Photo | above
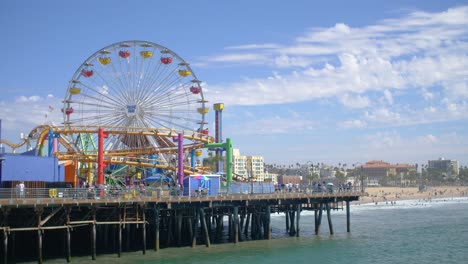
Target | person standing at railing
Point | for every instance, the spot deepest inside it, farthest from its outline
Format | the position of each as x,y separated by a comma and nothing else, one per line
21,189
17,190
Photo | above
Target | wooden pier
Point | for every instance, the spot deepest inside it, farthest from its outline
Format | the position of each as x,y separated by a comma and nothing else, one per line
44,228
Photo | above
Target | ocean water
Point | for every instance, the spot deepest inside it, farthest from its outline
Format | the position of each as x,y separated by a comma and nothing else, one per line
410,232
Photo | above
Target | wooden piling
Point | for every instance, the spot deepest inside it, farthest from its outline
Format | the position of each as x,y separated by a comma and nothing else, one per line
230,226
246,228
5,246
119,251
93,236
143,229
292,228
205,228
179,227
298,215
286,212
319,219
348,218
189,223
330,225
242,220
156,228
253,224
235,212
268,222
195,228
39,237
68,235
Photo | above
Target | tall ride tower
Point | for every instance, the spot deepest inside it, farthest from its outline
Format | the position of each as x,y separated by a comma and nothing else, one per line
219,133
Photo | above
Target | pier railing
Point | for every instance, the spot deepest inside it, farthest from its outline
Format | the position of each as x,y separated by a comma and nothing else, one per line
156,193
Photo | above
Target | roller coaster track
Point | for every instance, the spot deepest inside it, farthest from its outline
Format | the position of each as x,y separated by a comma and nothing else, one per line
13,146
197,141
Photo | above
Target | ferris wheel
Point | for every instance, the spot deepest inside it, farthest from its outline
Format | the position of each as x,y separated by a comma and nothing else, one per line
135,84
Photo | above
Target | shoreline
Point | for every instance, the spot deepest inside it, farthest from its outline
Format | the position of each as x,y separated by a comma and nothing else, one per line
393,194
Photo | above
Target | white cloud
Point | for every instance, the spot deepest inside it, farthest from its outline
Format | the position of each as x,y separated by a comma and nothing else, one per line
388,96
274,125
243,58
28,112
25,99
416,51
384,140
352,124
430,109
416,148
354,101
383,115
429,138
254,46
426,94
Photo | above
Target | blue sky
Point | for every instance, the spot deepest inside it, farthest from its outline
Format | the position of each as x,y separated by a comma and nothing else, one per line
320,81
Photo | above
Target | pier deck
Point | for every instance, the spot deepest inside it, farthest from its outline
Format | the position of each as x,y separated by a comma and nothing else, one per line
139,221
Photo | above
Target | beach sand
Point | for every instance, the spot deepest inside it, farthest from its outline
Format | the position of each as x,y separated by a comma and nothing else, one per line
389,194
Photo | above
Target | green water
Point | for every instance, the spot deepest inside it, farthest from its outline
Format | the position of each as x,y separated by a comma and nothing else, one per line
410,232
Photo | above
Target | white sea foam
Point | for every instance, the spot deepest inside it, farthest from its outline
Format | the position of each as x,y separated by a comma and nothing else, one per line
410,204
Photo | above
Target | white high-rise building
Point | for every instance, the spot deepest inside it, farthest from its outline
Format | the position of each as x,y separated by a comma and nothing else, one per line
239,163
248,167
255,167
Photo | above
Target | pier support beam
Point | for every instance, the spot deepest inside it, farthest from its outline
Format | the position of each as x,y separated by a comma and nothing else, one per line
348,218
39,246
68,235
119,251
205,228
143,229
195,228
68,245
318,220
292,228
5,246
179,227
330,225
268,222
298,215
156,228
39,236
235,212
93,236
246,228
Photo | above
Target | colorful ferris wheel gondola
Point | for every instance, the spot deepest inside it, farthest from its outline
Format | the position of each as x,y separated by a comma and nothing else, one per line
87,70
166,57
195,88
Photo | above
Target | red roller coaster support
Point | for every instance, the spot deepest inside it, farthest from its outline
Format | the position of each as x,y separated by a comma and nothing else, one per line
101,164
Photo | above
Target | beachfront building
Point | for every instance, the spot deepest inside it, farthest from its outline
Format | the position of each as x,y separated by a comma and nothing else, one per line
377,172
239,163
271,177
248,167
255,167
447,167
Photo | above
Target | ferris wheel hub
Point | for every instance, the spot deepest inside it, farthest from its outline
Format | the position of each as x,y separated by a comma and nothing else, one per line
132,110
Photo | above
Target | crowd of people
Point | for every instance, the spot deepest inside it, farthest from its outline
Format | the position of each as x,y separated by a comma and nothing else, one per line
315,187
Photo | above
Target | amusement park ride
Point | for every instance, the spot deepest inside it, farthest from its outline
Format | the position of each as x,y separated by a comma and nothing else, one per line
132,108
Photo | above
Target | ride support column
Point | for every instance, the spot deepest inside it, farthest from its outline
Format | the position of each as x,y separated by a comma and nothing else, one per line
180,159
101,164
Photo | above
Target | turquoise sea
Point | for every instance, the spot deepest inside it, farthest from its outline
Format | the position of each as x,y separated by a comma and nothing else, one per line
410,232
